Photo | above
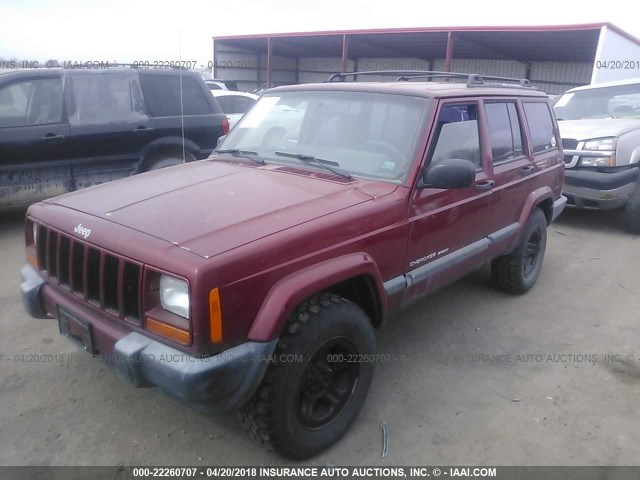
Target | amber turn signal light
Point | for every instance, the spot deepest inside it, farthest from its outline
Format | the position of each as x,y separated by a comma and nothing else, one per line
215,316
32,257
168,331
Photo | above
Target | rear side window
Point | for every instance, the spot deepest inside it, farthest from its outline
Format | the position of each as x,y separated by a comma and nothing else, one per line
164,96
457,134
100,98
540,126
31,102
504,131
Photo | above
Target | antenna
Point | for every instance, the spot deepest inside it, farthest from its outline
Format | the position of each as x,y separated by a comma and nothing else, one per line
181,103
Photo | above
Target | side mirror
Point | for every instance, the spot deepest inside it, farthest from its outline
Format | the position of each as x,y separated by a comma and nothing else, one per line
448,174
220,140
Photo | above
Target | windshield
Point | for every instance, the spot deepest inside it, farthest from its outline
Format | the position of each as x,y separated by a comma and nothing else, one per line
622,101
370,135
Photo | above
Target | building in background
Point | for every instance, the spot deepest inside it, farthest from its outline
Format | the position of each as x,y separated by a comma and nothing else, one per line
553,58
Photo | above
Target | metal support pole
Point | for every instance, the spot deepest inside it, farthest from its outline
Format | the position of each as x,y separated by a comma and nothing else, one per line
213,63
344,53
449,54
269,62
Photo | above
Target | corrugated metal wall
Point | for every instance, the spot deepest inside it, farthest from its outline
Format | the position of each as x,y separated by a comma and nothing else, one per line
318,69
284,70
231,63
556,77
500,68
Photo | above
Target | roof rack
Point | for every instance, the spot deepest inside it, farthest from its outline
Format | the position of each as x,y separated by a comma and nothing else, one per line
473,79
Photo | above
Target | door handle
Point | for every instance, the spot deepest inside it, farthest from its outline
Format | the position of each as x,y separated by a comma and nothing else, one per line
142,128
52,136
528,170
484,186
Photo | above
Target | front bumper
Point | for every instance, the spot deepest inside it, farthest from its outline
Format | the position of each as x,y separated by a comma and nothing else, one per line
599,190
220,382
30,288
558,207
224,381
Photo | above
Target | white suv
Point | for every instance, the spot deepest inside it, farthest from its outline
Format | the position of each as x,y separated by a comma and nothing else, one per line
600,129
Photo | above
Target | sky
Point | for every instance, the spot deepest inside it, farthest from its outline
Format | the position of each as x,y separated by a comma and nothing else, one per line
161,30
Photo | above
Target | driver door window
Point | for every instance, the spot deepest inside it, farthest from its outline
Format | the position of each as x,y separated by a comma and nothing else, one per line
457,134
31,102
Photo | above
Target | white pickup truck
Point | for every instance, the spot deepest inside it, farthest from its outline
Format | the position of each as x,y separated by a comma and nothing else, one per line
600,129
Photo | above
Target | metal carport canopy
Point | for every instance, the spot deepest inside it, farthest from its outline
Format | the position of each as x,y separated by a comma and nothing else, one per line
558,43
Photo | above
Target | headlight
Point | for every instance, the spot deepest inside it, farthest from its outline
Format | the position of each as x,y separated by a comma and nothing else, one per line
598,161
606,144
606,156
174,295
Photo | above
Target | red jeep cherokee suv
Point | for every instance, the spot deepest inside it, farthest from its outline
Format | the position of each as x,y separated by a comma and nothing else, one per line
254,280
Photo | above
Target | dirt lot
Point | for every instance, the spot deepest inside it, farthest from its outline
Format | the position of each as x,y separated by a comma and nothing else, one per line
475,376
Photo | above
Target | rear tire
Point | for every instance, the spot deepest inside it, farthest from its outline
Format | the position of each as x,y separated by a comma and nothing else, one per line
632,211
318,380
517,272
168,159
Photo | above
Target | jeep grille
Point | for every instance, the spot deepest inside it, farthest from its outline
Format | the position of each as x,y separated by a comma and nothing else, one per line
105,280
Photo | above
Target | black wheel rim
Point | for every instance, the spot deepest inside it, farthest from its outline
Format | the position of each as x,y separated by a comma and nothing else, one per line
328,381
532,252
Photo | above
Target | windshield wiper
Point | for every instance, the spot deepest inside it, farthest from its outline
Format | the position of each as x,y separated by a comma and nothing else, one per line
319,162
248,154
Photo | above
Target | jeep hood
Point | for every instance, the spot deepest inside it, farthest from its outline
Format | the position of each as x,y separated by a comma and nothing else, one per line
210,207
597,128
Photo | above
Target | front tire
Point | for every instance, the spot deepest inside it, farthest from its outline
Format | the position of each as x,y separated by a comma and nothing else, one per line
632,211
318,380
517,272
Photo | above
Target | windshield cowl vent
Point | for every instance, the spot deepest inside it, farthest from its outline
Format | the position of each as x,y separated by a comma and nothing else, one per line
306,173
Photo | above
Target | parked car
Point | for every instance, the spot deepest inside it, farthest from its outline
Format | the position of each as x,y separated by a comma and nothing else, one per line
234,104
217,84
262,273
63,130
600,128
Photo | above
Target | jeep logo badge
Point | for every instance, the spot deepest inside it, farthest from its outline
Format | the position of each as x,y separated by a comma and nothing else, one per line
82,231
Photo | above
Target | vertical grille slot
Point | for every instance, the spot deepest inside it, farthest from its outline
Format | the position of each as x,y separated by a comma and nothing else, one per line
93,275
63,266
110,282
77,267
52,257
131,291
42,247
105,280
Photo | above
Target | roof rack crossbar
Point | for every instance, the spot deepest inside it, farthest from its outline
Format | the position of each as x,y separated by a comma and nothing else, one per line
476,80
473,79
404,74
340,76
431,74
